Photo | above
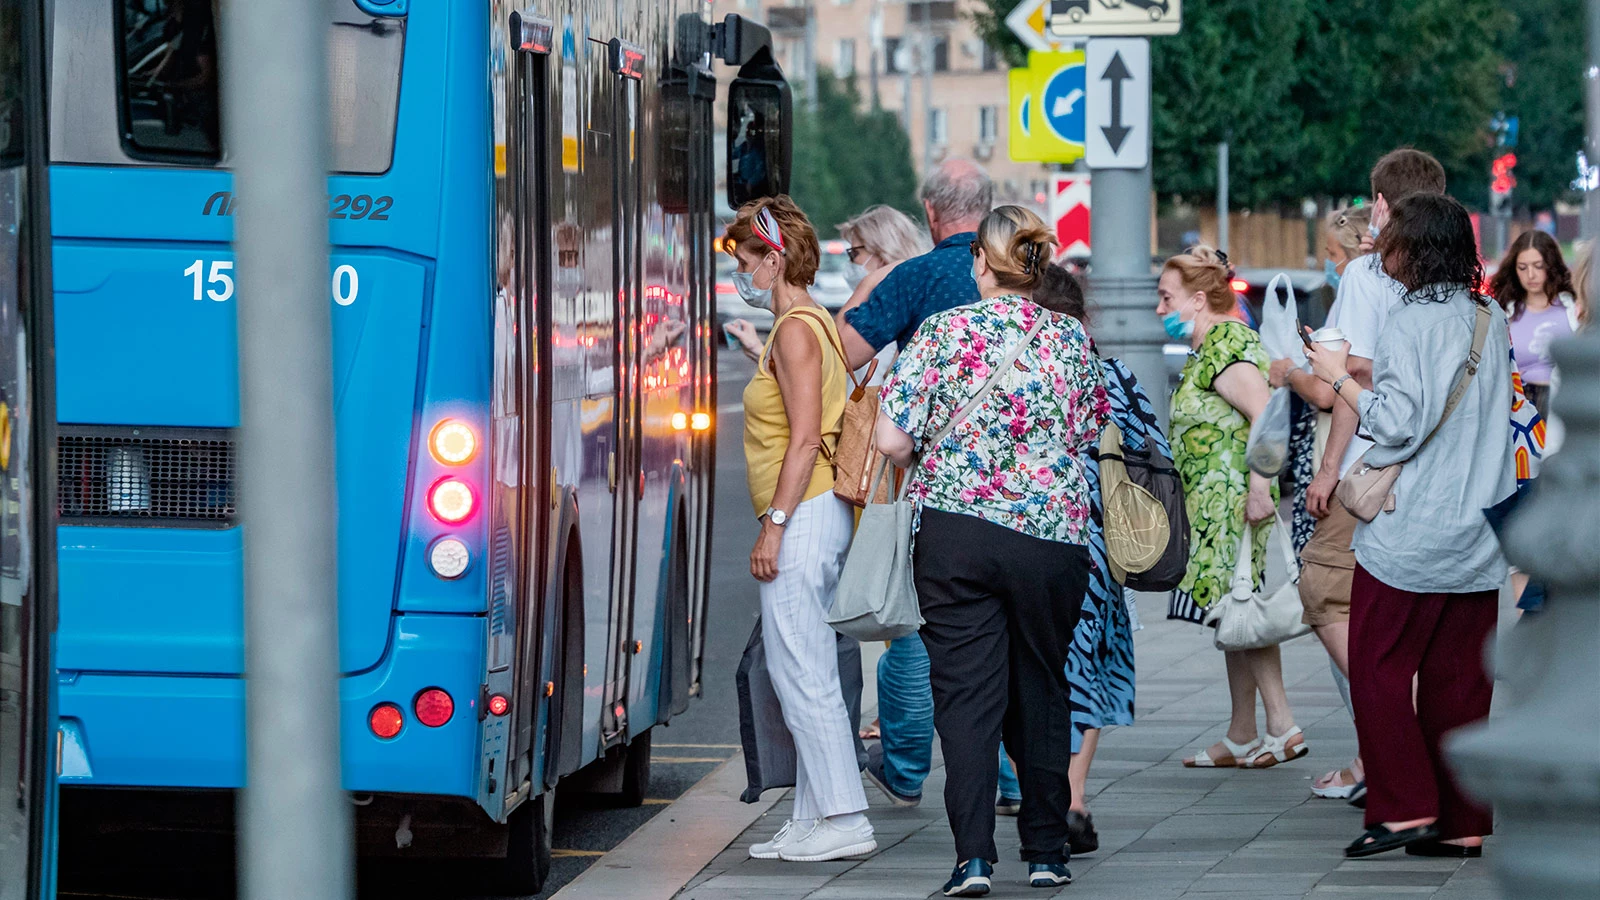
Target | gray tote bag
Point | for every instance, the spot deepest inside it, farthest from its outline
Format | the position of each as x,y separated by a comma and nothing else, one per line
876,599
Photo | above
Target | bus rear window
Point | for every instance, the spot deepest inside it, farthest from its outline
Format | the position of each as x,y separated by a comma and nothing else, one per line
169,109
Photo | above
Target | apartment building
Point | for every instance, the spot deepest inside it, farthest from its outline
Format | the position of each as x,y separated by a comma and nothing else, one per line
920,59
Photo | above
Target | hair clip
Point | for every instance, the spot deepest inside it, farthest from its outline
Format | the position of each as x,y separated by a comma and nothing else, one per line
1222,257
766,228
1033,256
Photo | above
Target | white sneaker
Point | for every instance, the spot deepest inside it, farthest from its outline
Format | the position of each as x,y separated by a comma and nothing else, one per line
827,841
789,833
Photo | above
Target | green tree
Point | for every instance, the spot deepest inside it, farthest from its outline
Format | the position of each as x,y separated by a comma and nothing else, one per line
1545,91
847,158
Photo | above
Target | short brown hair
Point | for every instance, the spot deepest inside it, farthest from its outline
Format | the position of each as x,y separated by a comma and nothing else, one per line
1204,270
1406,172
1016,245
801,252
1060,292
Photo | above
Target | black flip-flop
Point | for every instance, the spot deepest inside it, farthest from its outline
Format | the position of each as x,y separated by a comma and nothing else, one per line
1441,849
1379,839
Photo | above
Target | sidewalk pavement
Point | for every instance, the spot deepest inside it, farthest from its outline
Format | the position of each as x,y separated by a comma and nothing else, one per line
1165,832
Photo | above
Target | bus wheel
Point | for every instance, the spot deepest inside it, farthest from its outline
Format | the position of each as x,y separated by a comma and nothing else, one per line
527,862
636,771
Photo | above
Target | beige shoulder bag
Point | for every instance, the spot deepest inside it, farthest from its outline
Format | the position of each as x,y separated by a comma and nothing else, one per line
1367,489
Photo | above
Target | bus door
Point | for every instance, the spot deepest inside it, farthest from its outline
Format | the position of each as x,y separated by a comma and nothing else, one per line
29,745
625,63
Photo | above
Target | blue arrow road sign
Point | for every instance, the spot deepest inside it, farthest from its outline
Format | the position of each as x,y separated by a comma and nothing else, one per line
1063,103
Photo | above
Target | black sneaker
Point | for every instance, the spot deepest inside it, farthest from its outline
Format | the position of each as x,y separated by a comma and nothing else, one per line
969,879
1048,874
1081,836
1005,806
874,773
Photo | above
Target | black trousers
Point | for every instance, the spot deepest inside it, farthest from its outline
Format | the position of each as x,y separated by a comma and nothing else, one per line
1000,608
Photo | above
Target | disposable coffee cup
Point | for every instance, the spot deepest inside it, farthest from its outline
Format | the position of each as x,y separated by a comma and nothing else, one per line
1330,336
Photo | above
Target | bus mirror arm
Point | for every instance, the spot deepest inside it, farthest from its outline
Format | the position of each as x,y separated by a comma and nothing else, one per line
737,40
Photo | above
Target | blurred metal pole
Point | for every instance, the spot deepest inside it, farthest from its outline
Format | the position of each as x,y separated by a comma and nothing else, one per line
294,819
1538,759
1222,196
1122,288
926,58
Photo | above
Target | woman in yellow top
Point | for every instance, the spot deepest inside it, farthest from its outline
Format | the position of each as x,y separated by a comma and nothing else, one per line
793,413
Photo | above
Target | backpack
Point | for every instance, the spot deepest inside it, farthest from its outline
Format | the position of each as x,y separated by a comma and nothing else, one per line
1145,524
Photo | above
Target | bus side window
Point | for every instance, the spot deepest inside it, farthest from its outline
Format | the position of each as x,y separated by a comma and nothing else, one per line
167,55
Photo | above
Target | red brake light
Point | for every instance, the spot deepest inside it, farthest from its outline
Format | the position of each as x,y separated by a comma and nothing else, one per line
1239,285
434,707
385,720
451,501
499,705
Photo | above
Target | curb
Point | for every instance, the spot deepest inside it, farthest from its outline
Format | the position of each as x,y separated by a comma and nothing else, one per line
658,860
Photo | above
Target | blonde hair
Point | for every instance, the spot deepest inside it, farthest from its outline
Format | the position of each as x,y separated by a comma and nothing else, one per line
886,233
1581,273
1205,270
1348,227
801,252
1016,245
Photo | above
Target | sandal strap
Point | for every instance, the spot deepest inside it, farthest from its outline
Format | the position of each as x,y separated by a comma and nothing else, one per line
1242,751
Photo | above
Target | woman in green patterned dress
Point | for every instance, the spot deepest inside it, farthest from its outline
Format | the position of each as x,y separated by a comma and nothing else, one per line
1222,389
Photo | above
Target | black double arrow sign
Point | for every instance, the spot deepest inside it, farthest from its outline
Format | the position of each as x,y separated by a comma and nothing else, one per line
1116,72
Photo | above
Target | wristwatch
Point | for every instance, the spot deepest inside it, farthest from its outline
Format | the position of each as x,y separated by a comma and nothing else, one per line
1339,382
776,516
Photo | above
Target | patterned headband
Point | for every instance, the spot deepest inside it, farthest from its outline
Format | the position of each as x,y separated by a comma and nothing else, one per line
766,228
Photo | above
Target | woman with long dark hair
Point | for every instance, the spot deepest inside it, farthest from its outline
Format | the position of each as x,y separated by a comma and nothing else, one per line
1428,572
1535,289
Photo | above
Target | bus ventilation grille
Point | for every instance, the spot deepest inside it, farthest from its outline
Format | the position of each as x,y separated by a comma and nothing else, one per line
171,477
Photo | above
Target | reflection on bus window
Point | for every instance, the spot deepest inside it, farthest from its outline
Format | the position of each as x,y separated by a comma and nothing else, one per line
169,64
11,126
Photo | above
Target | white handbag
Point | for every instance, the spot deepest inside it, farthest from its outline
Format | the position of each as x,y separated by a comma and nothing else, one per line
1247,619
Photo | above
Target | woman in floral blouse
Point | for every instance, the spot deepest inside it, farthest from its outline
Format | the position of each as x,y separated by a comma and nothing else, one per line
1000,562
1222,389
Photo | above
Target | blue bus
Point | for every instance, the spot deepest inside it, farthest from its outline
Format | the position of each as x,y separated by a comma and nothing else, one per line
521,288
27,536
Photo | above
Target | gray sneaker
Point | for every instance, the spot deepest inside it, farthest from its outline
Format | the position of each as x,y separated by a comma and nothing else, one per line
789,833
826,841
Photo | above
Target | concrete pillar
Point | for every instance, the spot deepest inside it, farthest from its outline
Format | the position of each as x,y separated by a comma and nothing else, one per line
1538,759
1122,289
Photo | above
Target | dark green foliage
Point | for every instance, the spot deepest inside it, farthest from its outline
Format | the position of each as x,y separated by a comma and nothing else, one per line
847,158
1312,92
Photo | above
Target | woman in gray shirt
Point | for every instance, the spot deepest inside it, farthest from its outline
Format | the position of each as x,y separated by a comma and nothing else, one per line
1428,573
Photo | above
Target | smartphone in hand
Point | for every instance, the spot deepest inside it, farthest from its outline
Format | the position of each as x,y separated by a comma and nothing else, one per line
1301,330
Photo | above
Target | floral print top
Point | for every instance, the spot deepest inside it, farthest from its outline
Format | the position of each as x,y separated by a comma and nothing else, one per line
1018,460
1208,444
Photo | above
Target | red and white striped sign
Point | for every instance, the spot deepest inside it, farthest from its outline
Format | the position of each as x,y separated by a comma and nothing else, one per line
1069,207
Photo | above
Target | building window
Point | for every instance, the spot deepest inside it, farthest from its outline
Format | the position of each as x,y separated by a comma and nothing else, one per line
991,59
844,58
938,127
891,56
941,53
913,45
988,124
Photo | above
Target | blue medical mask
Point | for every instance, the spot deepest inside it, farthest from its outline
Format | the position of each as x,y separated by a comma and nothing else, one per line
1176,327
1332,271
854,274
745,284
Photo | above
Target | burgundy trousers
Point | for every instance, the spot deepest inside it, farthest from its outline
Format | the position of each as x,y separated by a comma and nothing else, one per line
1438,639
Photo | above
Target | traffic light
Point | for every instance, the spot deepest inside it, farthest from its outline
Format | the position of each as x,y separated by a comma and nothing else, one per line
1503,181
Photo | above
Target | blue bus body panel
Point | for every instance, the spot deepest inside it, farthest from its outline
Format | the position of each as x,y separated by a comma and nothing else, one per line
164,731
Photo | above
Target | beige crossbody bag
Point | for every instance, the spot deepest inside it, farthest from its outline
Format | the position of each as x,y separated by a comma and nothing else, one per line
1367,489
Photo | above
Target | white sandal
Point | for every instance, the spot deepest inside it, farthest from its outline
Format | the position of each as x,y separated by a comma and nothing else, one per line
1238,755
1276,750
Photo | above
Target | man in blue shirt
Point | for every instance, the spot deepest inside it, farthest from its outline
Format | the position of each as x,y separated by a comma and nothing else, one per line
956,196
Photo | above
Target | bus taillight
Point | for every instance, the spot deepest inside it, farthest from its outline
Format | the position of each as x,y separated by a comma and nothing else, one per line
499,705
448,557
433,707
453,442
385,720
451,501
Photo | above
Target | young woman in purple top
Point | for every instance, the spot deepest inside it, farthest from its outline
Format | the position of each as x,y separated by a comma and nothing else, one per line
1535,288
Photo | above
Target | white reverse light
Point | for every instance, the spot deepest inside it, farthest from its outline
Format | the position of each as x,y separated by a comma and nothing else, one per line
448,557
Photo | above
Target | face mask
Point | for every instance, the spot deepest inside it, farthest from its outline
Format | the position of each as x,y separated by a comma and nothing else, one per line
854,273
1177,328
975,279
1332,271
745,284
1373,231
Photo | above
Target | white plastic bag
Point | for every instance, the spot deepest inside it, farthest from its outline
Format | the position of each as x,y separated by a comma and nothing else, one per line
1277,322
1267,453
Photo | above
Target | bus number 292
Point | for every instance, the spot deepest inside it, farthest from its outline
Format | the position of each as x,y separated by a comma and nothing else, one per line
217,282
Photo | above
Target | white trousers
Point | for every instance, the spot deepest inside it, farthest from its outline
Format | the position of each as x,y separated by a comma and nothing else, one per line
803,658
